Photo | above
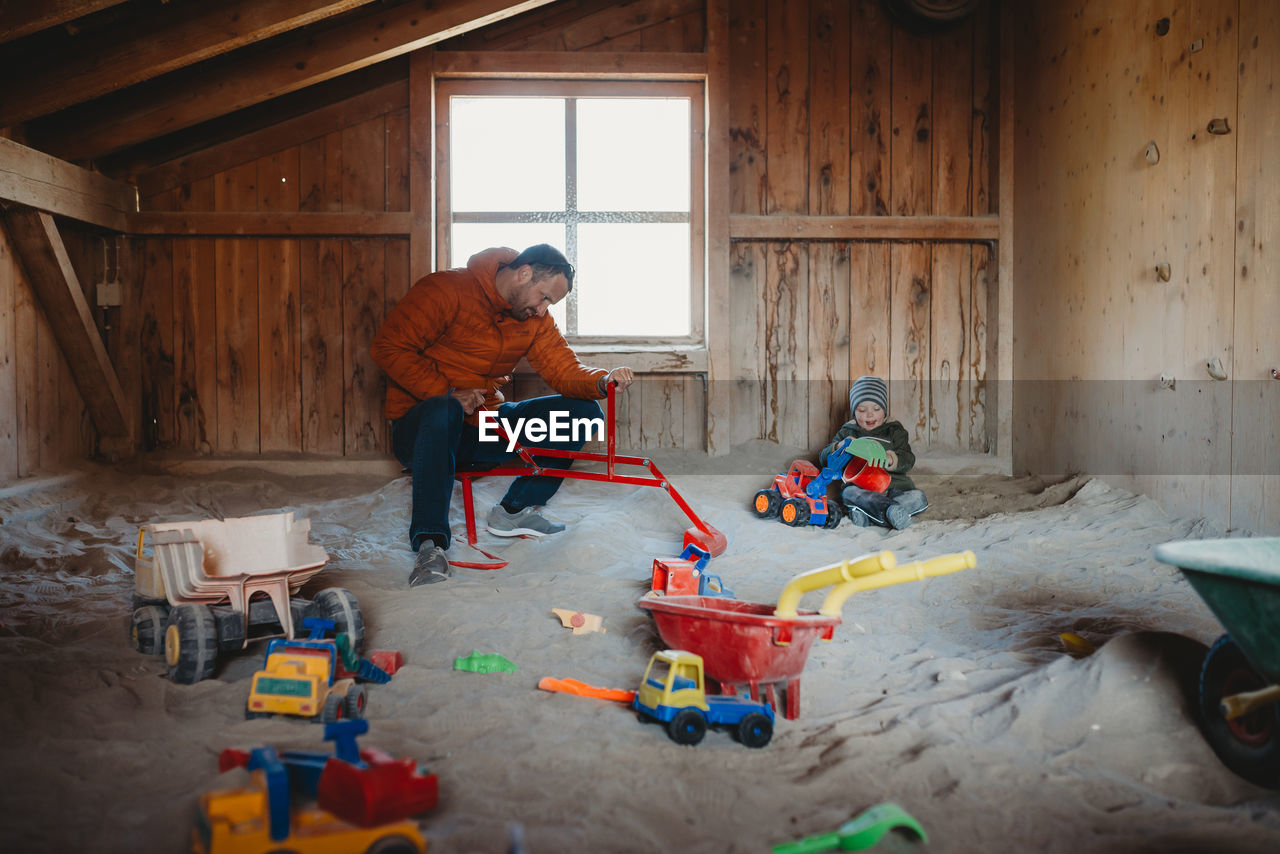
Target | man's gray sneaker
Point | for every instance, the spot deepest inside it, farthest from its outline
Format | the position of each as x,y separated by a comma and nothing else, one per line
524,523
429,565
897,516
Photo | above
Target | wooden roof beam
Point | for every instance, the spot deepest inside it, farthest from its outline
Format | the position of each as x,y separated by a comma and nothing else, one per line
172,37
262,72
20,18
39,246
34,179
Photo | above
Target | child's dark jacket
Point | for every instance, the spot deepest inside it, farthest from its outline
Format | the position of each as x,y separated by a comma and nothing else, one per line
893,436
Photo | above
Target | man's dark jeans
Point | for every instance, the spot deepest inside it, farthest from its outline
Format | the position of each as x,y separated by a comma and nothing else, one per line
432,440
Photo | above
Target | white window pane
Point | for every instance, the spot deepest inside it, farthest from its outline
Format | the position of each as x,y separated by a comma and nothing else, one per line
506,154
633,154
633,279
468,238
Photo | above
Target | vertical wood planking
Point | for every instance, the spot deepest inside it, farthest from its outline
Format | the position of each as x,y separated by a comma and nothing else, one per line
397,285
159,423
974,426
397,168
320,301
662,418
195,342
363,287
829,164
47,403
872,63
911,195
363,296
746,353
695,412
25,321
9,284
236,310
786,343
748,98
952,172
787,118
1255,494
870,320
280,384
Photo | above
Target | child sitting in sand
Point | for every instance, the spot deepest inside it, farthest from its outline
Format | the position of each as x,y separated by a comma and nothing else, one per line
893,508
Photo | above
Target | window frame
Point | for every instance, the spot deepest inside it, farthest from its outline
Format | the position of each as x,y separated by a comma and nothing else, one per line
694,91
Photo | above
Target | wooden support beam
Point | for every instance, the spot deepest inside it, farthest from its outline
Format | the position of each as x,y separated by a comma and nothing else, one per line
219,158
34,179
270,223
169,38
20,18
422,173
719,400
598,64
38,244
964,228
262,72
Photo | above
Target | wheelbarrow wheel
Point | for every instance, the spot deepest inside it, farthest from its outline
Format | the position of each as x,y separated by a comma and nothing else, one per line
766,503
687,727
1248,745
755,730
795,512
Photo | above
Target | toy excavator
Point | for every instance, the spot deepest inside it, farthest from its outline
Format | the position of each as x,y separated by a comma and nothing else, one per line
799,496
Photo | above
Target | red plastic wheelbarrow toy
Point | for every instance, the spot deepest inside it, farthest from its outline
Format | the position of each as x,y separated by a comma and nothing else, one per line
701,534
744,644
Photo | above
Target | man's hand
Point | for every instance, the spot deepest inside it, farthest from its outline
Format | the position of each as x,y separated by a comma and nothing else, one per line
624,377
470,398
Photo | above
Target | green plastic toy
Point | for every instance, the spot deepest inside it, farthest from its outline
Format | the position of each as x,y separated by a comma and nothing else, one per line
867,449
859,833
484,662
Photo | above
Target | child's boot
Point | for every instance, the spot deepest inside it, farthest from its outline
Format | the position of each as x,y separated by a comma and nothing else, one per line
897,517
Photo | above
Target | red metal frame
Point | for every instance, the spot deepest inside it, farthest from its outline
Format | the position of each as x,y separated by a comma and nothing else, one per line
700,534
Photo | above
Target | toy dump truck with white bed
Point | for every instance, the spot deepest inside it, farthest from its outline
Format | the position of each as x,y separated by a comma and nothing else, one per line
212,586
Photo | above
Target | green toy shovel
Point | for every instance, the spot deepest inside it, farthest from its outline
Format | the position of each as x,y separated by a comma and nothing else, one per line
859,833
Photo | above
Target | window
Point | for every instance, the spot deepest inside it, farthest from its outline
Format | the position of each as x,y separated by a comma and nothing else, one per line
608,172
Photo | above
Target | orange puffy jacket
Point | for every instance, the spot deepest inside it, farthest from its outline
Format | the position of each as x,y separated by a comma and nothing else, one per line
452,331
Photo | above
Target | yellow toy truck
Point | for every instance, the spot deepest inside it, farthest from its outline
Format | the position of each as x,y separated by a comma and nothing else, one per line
299,679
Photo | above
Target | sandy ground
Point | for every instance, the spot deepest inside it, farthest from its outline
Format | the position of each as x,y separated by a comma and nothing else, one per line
954,697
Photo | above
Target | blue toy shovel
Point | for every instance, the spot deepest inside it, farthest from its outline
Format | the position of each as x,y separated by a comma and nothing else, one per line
859,833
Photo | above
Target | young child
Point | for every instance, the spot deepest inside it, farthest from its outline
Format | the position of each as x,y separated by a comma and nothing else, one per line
893,508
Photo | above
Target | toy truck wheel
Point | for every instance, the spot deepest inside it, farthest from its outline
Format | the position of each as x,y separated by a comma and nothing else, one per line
190,643
833,514
755,730
334,709
147,629
795,512
394,845
340,605
766,503
353,704
687,727
1248,745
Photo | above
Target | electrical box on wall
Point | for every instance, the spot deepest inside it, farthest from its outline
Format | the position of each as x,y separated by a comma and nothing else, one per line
109,294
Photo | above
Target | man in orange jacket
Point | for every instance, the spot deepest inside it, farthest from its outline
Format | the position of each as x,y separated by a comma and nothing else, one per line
447,348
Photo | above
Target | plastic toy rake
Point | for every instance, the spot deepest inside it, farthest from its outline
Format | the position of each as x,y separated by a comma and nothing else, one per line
700,534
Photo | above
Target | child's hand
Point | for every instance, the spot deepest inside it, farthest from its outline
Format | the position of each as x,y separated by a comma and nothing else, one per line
893,459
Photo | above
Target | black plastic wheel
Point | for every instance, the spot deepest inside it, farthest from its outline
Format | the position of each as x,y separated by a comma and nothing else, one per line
755,730
766,503
687,727
1248,745
334,709
339,604
190,643
147,629
353,704
795,512
393,845
833,514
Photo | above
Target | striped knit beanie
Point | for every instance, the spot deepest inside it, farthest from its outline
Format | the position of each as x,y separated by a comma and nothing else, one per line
869,388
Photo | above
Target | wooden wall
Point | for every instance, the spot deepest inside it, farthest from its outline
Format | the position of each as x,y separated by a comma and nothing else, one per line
835,111
43,420
1096,327
261,345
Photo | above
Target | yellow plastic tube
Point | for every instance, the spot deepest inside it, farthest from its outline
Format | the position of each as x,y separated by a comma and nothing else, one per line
826,576
918,571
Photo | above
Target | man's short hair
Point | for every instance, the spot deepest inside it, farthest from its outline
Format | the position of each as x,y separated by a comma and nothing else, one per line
546,261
